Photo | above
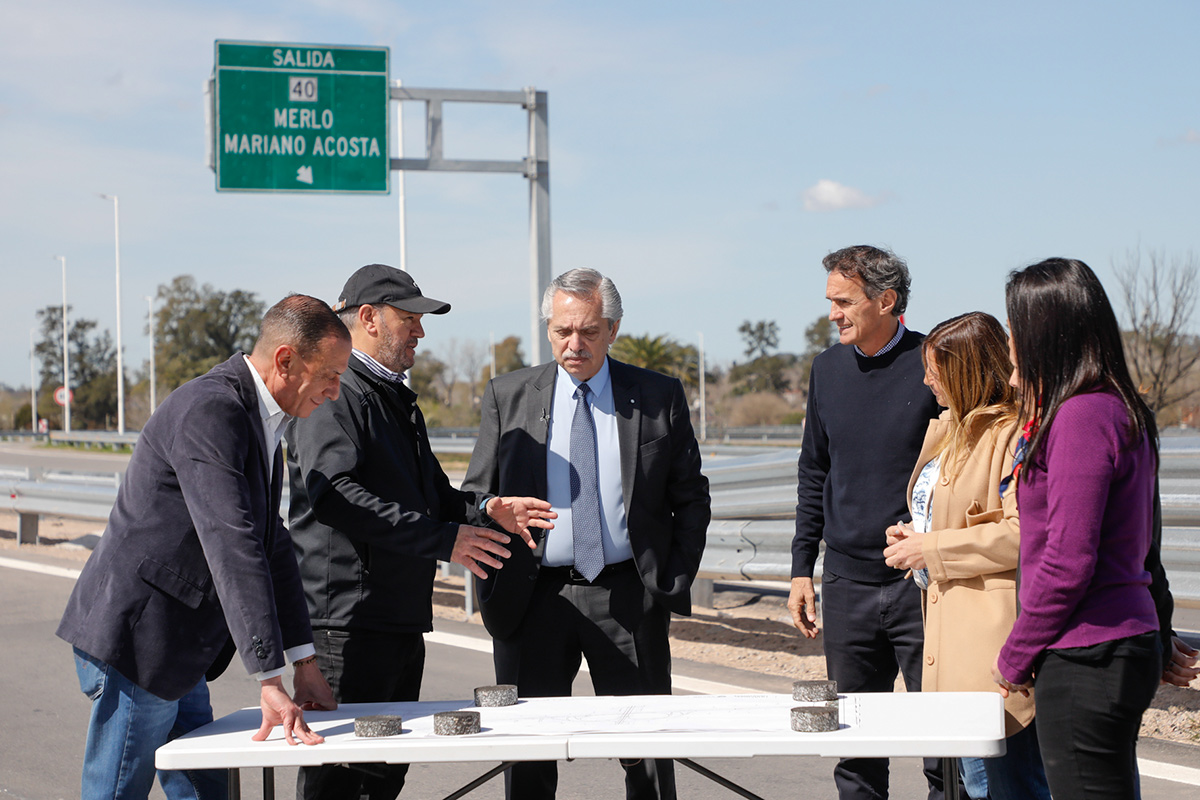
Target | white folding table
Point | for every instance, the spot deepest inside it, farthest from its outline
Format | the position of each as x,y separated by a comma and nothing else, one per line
680,727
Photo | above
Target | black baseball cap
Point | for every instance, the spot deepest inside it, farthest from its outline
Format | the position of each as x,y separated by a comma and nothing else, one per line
379,284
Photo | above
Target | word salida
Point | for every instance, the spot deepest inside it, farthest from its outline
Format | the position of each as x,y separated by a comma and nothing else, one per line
308,59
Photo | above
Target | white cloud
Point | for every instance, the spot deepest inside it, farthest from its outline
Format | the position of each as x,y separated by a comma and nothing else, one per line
827,195
1191,136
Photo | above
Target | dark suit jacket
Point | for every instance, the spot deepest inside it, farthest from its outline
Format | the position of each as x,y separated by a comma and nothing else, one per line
666,497
195,552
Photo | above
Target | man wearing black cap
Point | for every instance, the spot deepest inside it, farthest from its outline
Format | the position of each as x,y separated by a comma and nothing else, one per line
371,513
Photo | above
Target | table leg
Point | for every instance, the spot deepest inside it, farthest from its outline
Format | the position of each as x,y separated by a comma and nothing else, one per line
235,784
950,778
715,778
482,779
268,783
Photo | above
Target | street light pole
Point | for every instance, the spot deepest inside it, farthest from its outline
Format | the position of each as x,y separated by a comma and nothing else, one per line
703,406
32,383
400,183
153,383
66,361
120,359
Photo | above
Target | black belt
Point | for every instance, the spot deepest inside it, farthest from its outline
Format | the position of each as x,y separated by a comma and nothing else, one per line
572,575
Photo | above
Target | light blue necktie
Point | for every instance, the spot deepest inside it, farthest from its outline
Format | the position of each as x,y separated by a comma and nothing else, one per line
585,489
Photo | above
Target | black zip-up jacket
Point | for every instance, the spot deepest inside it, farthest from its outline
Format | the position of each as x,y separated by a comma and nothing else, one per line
371,509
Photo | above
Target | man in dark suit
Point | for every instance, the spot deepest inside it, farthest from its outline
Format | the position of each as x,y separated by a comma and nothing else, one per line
195,562
611,447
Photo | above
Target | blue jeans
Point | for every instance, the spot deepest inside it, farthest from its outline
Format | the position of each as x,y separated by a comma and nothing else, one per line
1018,774
127,725
974,778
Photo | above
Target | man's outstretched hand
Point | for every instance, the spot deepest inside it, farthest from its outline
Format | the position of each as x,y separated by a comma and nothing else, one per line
519,514
475,546
278,709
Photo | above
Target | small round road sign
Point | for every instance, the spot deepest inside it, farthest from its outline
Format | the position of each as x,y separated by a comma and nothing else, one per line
61,395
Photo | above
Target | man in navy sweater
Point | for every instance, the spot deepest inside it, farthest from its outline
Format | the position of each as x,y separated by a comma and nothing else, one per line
868,409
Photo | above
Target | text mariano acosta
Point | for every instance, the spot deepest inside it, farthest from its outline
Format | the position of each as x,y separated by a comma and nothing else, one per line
295,117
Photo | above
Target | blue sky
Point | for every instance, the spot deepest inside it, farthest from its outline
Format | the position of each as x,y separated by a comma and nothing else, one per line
703,154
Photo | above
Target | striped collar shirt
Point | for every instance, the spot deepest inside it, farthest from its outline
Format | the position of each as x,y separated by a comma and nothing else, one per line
377,369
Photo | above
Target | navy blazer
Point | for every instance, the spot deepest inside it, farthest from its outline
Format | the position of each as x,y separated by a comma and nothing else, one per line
195,552
666,497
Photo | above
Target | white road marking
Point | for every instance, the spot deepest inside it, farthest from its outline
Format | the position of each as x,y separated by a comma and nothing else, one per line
1169,772
44,569
1150,769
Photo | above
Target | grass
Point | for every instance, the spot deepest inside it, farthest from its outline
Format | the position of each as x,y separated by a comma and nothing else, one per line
118,449
453,462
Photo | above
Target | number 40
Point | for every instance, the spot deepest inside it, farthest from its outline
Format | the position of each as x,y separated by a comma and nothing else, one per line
302,89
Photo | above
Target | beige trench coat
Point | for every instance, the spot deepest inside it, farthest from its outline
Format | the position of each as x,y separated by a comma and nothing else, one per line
971,552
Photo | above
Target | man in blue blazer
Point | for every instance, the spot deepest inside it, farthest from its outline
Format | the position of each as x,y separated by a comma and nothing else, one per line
195,562
611,447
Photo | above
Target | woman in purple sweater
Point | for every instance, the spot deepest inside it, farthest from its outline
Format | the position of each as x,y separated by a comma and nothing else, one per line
1087,625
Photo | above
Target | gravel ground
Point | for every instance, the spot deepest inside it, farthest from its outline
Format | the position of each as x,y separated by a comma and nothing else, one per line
745,630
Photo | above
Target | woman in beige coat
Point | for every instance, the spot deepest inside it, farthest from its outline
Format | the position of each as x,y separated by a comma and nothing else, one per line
963,542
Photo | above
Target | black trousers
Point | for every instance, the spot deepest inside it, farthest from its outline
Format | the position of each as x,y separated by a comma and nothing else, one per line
1090,702
364,667
872,632
623,634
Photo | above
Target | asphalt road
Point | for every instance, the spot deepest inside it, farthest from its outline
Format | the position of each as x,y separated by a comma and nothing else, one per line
25,454
46,716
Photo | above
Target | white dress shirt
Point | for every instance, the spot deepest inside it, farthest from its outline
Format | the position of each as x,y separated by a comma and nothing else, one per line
273,419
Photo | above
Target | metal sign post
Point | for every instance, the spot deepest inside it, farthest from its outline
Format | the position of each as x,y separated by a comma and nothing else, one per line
314,118
535,167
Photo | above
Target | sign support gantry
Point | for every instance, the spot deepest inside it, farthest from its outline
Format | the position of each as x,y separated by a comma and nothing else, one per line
535,167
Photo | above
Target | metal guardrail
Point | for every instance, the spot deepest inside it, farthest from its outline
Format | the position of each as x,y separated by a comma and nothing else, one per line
36,475
21,436
108,439
30,499
757,433
753,503
457,440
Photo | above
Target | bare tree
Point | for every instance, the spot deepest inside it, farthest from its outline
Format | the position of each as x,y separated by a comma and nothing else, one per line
471,358
1160,293
464,360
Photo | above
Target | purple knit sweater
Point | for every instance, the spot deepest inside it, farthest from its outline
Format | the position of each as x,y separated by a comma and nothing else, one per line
1085,531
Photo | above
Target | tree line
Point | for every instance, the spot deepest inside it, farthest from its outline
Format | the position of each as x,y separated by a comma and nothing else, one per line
196,326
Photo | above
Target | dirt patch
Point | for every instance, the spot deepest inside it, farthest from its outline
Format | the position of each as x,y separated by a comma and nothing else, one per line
58,537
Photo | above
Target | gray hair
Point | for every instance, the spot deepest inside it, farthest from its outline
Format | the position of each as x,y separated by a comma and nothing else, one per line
349,317
585,283
301,322
879,270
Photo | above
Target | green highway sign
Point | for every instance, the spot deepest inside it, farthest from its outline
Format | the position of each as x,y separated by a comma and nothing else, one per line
300,118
